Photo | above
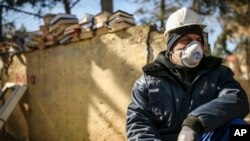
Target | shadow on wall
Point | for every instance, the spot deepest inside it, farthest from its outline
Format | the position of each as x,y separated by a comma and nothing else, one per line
111,78
79,91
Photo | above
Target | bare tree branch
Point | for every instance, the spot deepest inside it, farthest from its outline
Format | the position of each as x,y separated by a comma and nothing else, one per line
74,4
21,11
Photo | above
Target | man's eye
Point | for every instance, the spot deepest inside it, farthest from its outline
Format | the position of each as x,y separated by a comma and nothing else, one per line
199,40
186,41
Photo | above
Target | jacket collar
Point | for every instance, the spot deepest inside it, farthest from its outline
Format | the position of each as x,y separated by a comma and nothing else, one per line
162,66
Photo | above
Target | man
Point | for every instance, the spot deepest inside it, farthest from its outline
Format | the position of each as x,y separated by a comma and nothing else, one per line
185,94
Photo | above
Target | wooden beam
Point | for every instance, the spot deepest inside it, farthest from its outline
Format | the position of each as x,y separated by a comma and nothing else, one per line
12,101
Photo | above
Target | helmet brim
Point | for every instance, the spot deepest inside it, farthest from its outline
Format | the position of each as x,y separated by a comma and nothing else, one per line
182,26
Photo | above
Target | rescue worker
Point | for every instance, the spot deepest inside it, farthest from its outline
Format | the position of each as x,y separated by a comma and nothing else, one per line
185,94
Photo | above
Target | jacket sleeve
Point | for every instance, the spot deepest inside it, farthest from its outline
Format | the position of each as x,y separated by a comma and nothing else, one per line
139,126
231,102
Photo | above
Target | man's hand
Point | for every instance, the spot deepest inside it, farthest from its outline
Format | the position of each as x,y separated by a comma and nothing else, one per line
188,134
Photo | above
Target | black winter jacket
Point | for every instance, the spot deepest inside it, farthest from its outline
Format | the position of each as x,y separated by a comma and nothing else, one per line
161,102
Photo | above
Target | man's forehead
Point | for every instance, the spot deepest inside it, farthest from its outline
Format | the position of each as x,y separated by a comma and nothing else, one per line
191,35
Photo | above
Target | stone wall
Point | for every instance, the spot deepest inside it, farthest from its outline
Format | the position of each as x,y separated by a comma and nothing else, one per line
80,91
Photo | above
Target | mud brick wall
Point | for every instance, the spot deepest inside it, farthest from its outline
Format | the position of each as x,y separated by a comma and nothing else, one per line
80,91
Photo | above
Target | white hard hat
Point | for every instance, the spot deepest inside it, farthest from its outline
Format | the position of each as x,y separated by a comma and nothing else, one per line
182,17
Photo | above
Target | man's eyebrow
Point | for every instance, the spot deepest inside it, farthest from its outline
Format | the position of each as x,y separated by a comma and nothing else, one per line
187,37
192,37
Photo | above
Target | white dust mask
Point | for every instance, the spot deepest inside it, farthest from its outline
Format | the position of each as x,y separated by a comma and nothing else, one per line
190,56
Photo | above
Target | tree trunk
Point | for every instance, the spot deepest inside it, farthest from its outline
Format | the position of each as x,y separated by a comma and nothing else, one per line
162,13
107,5
247,58
67,6
1,24
195,6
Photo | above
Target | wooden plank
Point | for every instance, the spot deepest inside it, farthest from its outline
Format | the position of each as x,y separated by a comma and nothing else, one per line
11,102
